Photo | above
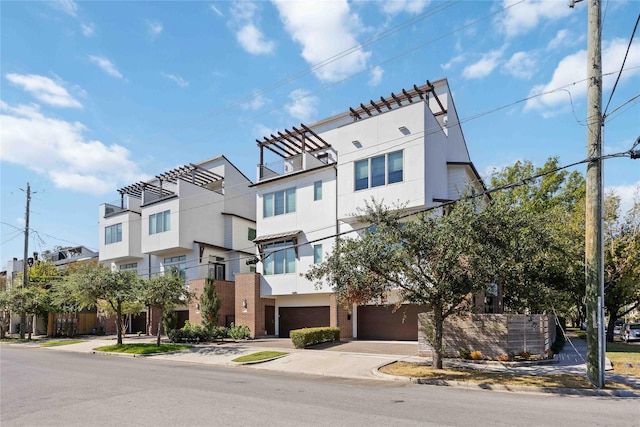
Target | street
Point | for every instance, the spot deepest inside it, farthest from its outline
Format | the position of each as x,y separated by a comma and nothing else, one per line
53,388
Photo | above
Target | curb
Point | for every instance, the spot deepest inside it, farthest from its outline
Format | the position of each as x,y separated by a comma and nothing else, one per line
503,388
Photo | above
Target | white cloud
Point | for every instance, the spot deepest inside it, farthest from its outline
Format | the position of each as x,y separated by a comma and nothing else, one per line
453,61
571,72
154,28
327,32
67,6
58,149
376,76
521,65
177,80
302,105
561,39
525,16
106,65
414,7
257,101
253,41
216,10
484,66
248,34
44,90
626,193
88,29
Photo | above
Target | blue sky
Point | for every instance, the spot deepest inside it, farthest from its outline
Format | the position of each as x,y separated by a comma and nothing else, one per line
98,95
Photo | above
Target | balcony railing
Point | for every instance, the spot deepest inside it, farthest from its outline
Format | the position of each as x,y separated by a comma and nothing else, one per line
299,162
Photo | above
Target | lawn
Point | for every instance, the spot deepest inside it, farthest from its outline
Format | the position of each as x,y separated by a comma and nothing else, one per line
57,343
259,356
622,355
142,348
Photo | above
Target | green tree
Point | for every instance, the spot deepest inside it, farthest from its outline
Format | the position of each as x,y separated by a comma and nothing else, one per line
209,304
30,300
165,292
622,260
432,259
5,312
116,288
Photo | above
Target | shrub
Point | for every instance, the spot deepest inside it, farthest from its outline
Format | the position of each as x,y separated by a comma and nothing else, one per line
464,353
524,355
218,332
476,355
549,353
240,332
302,338
189,332
503,358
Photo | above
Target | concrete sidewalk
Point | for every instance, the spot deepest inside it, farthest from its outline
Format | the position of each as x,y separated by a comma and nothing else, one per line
348,359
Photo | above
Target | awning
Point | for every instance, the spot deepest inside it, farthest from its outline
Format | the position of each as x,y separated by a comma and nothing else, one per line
277,236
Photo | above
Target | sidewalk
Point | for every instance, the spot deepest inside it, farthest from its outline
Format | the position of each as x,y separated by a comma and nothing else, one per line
350,359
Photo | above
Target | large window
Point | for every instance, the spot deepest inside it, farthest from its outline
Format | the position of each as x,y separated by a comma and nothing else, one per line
177,262
279,258
317,254
130,266
379,170
113,234
279,202
317,190
160,222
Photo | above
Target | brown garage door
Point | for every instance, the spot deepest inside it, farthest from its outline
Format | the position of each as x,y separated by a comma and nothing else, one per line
301,317
381,323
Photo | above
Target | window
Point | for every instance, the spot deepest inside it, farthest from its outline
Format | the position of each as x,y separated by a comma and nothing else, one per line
317,254
317,190
379,170
217,271
130,266
251,234
280,258
280,202
178,262
113,234
160,222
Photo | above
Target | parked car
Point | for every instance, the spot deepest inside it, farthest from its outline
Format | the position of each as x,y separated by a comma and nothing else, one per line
617,327
630,331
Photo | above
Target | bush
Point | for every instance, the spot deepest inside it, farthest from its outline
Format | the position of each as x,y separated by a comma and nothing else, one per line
240,332
464,353
217,332
476,355
524,355
189,332
503,358
302,338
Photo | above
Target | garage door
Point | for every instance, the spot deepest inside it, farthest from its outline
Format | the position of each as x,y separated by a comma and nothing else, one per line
301,317
381,323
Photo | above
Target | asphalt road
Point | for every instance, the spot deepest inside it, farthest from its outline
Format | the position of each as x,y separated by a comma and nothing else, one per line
41,387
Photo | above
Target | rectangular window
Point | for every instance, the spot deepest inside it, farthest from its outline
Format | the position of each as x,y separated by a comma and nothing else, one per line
251,234
280,258
362,174
130,266
217,271
379,170
178,262
395,167
317,190
113,234
279,202
317,254
160,222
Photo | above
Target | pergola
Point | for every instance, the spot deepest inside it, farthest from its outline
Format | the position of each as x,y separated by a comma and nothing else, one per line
292,142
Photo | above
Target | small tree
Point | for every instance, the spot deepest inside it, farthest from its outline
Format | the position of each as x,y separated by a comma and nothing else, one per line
32,301
5,312
115,288
166,292
209,305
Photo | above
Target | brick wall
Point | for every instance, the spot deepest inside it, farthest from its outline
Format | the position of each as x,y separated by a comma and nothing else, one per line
249,307
226,292
339,317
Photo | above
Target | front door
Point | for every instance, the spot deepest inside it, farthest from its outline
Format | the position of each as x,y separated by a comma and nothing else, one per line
270,319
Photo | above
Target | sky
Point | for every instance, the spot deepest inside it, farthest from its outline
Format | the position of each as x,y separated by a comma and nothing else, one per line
97,95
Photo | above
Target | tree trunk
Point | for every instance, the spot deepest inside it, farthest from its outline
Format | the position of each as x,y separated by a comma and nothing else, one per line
437,337
610,326
119,322
159,328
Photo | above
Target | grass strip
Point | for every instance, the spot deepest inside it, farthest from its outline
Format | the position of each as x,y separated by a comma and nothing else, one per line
57,343
142,348
414,370
261,355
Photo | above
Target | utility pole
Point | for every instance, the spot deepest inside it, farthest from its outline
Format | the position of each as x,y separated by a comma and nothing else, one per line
25,267
594,235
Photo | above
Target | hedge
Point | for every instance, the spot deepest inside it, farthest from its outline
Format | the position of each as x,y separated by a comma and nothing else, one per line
302,338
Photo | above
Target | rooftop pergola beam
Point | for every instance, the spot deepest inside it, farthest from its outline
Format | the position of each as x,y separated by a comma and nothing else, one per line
419,92
395,98
386,103
355,113
375,105
365,109
408,96
309,130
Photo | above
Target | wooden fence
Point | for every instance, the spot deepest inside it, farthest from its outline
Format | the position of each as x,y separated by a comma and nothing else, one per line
492,334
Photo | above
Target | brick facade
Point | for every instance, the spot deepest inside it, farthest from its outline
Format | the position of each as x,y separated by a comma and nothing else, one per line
226,292
339,317
250,308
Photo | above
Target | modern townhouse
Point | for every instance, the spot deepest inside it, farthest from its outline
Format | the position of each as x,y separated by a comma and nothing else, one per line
406,148
198,218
